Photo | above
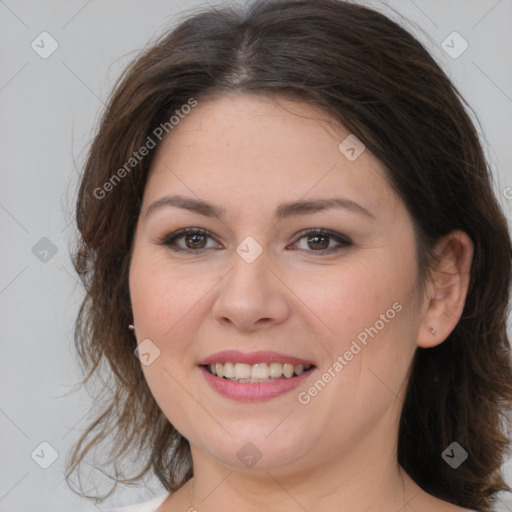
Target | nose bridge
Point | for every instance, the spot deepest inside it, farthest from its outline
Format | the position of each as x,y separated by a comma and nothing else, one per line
249,270
251,295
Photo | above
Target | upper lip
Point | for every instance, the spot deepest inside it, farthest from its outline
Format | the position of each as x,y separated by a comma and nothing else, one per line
262,356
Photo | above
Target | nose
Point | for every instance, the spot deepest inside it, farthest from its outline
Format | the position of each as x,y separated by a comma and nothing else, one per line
251,297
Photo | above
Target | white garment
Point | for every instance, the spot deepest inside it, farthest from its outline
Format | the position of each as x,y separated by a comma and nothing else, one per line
148,506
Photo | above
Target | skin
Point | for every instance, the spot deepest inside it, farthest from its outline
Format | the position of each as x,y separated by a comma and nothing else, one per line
249,154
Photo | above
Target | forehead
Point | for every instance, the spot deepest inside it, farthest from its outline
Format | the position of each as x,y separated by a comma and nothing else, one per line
269,149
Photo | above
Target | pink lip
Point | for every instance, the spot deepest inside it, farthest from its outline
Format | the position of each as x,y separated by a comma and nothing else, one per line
245,391
234,356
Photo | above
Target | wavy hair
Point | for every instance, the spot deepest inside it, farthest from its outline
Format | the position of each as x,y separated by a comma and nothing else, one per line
375,78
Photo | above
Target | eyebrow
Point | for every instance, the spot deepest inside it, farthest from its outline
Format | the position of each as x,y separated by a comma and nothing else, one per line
284,210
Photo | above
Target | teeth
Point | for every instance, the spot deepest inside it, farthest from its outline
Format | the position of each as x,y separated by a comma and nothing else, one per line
275,370
242,372
259,371
229,370
288,370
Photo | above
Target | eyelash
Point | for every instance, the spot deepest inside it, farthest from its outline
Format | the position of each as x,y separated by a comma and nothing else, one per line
343,241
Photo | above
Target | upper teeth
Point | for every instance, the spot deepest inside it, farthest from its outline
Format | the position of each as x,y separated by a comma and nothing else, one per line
256,371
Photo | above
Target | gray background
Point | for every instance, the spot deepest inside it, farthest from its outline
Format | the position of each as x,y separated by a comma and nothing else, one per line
49,109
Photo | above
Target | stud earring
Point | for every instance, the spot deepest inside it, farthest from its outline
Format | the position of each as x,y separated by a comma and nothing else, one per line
433,331
131,327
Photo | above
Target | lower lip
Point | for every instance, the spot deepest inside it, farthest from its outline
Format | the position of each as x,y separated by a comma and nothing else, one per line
246,391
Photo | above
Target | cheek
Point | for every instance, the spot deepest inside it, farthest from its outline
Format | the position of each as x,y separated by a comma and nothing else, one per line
349,298
162,296
370,340
165,305
364,312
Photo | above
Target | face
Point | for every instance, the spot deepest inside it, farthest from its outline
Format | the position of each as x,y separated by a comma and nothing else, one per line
281,276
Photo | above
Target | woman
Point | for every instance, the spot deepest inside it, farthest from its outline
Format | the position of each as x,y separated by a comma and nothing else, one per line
297,271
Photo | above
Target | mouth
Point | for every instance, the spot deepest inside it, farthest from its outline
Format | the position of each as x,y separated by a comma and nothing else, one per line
254,376
256,373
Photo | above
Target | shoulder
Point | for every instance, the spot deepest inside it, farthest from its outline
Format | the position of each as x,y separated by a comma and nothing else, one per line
147,506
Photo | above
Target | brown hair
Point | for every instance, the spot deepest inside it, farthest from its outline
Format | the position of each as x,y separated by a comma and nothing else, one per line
377,80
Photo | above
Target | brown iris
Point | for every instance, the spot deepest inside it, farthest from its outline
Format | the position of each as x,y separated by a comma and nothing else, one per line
318,240
197,241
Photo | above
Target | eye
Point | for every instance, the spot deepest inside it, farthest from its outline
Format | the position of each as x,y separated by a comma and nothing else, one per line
188,240
196,240
319,241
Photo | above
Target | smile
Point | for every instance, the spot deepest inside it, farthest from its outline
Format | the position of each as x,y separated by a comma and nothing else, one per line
256,373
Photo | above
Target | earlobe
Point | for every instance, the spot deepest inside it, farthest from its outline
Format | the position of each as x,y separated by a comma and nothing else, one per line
446,292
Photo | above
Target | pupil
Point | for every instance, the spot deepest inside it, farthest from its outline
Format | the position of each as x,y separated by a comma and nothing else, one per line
195,240
315,240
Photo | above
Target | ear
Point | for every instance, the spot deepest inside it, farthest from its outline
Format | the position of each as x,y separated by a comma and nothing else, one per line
446,289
